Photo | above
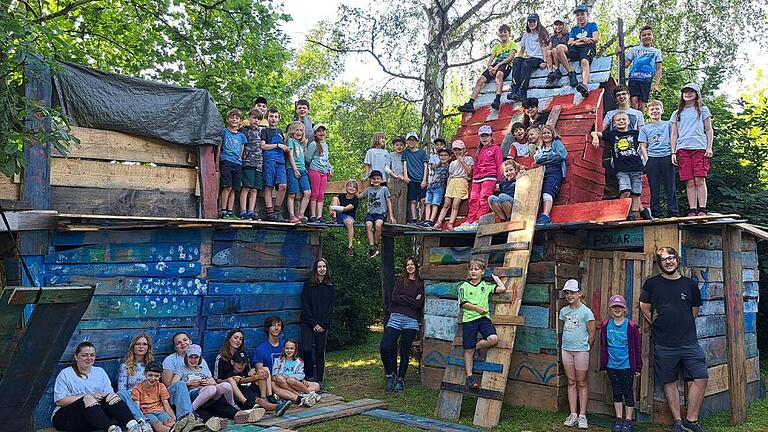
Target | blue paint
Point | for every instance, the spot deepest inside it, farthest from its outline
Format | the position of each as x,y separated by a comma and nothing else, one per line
263,236
113,344
124,253
544,376
137,323
435,358
260,255
37,269
249,320
255,288
142,307
418,422
249,303
535,316
138,285
167,235
155,269
477,366
250,274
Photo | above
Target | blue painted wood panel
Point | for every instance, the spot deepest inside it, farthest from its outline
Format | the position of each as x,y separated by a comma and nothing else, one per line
250,320
155,269
714,325
114,343
213,339
137,323
535,316
239,254
135,285
255,288
263,236
477,366
716,350
125,253
169,235
250,274
694,257
213,305
534,340
620,239
142,307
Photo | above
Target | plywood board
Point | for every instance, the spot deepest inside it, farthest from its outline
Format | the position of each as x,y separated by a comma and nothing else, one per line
597,211
104,175
124,202
118,146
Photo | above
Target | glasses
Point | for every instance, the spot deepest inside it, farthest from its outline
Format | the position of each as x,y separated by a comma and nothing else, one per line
669,258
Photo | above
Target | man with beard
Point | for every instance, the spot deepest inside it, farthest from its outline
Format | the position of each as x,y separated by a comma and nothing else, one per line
670,302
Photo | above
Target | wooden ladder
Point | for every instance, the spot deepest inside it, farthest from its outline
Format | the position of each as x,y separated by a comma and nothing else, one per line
495,369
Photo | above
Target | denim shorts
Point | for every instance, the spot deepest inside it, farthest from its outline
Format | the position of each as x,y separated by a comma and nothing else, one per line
435,195
274,172
668,361
296,185
373,217
341,217
631,182
470,329
157,416
415,192
501,198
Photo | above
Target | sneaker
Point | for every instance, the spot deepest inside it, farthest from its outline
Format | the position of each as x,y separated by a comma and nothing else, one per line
372,252
692,213
466,226
628,426
413,222
400,385
515,97
230,216
496,102
294,220
581,88
572,80
349,251
618,426
632,216
216,424
571,420
272,399
319,397
145,426
133,426
702,211
320,220
552,79
583,423
309,400
391,382
677,426
249,416
472,382
468,107
115,429
282,407
276,217
543,220
222,214
312,220
646,214
244,215
690,426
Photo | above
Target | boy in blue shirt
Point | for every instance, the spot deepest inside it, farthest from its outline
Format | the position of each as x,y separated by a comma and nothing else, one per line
581,47
230,164
645,69
416,172
273,152
654,136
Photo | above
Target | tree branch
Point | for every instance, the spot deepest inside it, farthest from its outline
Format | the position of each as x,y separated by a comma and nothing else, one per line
65,10
466,16
467,63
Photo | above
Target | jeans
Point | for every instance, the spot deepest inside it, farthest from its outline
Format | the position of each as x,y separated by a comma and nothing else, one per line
522,68
125,395
621,384
661,171
180,398
313,351
76,417
389,350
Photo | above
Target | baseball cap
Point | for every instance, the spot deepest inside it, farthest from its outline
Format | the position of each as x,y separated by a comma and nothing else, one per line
458,144
558,21
693,86
533,17
484,129
260,99
412,135
240,357
571,285
398,138
581,8
318,126
617,300
437,140
375,173
194,349
153,367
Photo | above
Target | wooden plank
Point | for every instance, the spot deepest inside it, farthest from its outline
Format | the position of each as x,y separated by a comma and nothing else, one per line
535,316
135,285
539,397
450,255
29,220
441,307
118,146
208,180
418,422
438,327
239,254
249,320
9,190
734,323
534,340
507,320
621,239
137,323
285,288
310,416
263,236
454,272
250,274
541,272
535,368
503,272
477,366
718,376
597,211
504,247
105,175
458,341
10,327
121,201
166,235
499,228
58,295
125,253
715,348
142,307
216,305
536,293
112,343
479,393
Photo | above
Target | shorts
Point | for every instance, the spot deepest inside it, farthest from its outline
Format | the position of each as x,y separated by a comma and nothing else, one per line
581,52
253,179
640,89
631,182
506,69
341,217
501,198
435,195
373,217
415,192
692,163
579,359
553,179
230,175
470,329
274,172
457,188
157,416
668,360
296,185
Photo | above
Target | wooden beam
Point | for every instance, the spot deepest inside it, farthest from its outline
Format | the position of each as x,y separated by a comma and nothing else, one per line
499,228
29,220
51,294
105,175
111,145
554,116
479,393
418,422
734,323
477,366
504,247
209,182
508,320
124,202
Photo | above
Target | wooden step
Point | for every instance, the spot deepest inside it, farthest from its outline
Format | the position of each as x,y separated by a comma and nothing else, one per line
479,393
499,228
477,366
508,271
53,294
510,320
504,247
459,341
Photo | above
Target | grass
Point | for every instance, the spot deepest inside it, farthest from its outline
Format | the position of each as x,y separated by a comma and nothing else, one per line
357,373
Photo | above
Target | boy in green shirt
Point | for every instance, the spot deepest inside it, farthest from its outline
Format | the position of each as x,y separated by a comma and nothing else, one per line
474,298
498,67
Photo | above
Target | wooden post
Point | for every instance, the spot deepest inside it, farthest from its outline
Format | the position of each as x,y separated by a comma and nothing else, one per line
734,322
209,187
622,54
387,270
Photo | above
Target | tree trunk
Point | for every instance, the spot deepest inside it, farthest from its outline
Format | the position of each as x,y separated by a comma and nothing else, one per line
434,72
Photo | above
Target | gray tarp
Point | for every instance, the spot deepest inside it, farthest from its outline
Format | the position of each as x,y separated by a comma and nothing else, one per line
101,100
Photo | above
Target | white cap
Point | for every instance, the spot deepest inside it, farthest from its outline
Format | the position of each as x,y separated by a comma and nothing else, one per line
571,285
412,135
484,129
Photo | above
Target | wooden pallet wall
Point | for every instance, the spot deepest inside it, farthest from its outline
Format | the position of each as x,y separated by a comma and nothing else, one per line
162,281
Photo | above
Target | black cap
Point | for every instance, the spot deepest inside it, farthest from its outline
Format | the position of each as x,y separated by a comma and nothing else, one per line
260,99
154,367
558,21
530,102
398,138
375,173
533,17
437,140
581,8
240,357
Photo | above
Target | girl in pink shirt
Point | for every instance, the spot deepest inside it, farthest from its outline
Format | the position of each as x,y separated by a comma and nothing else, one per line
485,174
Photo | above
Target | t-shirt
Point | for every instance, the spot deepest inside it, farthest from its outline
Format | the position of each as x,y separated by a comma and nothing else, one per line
395,163
150,398
501,51
252,152
298,154
656,135
690,128
531,45
354,201
521,153
636,120
272,135
555,40
434,159
507,187
644,61
290,368
69,384
478,295
224,370
671,300
415,160
232,146
127,382
618,345
266,354
174,362
319,162
575,333
625,150
587,31
194,374
440,176
376,197
378,158
541,119
456,170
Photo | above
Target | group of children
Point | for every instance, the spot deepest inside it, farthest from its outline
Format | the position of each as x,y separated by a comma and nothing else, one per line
620,350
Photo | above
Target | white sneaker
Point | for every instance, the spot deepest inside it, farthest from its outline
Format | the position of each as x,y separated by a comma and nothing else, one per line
317,397
134,426
145,426
309,400
571,420
583,424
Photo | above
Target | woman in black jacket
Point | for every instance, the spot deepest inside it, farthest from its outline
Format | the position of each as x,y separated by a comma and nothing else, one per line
405,310
318,299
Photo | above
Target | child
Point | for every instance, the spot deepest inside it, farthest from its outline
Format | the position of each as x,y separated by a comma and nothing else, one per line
534,43
551,154
559,37
434,158
581,48
691,142
621,356
457,189
646,69
344,210
474,296
152,397
627,156
301,114
497,68
654,137
230,163
502,204
288,371
621,96
415,172
245,389
396,179
486,172
296,174
253,165
379,206
273,150
320,169
519,149
377,157
531,115
578,336
436,189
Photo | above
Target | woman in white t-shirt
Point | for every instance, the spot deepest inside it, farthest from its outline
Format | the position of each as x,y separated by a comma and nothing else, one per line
85,400
534,47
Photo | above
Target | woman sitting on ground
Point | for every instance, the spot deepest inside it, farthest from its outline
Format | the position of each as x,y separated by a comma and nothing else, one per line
131,372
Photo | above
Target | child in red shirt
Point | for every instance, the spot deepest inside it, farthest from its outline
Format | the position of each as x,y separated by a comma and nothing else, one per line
485,174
